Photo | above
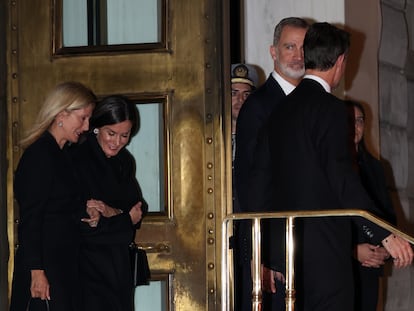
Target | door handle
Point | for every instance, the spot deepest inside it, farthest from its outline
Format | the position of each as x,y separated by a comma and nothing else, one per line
155,247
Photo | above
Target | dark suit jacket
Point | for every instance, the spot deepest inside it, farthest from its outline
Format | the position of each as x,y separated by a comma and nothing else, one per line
252,117
250,122
312,170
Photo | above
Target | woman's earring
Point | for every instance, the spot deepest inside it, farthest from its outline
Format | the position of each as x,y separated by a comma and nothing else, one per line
96,131
60,124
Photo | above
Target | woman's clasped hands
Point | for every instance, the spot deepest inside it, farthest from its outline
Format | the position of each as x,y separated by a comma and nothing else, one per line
97,208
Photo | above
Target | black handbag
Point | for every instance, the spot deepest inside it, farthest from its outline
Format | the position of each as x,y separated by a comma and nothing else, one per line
141,273
46,303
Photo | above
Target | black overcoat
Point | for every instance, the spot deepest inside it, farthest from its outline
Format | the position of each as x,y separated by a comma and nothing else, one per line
373,179
252,118
50,210
105,263
312,170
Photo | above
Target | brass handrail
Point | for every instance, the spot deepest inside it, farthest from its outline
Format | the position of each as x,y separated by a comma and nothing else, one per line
256,248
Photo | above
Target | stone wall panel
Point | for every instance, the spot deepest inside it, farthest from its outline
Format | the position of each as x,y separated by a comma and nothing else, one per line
393,96
394,150
409,13
398,290
394,37
409,65
397,4
410,138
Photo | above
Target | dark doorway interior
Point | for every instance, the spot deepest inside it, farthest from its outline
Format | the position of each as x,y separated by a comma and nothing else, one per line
236,31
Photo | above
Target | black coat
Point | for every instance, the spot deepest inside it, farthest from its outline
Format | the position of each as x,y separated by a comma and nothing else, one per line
373,179
312,170
252,171
105,262
50,211
252,118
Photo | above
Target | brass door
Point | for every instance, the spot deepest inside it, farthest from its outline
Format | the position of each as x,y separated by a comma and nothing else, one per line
182,72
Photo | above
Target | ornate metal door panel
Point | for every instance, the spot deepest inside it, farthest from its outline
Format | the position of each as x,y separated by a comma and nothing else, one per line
165,55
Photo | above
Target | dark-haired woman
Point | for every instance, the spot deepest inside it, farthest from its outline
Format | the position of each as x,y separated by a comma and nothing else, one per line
369,258
107,171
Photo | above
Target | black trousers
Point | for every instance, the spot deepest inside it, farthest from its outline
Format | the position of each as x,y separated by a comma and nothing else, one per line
366,288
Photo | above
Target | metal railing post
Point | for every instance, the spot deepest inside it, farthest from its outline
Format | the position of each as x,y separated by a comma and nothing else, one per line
290,267
290,248
257,285
225,284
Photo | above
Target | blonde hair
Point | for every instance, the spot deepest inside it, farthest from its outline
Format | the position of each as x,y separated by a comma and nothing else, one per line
67,96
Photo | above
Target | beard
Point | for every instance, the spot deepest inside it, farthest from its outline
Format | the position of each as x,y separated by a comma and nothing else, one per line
293,70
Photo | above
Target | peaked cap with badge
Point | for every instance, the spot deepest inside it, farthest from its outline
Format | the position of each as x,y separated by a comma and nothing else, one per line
244,73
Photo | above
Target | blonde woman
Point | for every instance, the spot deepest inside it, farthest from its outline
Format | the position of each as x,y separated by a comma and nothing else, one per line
46,189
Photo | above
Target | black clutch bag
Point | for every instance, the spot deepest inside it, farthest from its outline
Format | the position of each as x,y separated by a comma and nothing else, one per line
46,305
141,273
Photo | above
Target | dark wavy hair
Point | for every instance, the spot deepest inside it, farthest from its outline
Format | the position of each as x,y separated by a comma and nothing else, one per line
115,109
323,44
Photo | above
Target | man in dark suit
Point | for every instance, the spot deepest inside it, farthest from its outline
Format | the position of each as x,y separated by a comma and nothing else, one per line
244,80
312,170
287,55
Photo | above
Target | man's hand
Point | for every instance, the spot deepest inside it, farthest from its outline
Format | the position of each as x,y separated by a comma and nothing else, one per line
399,249
269,278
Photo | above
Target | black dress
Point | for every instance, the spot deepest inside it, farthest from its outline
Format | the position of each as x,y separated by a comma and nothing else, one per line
50,207
105,263
373,179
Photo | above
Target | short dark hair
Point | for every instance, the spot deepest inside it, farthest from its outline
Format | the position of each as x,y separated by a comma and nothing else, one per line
115,109
288,21
323,44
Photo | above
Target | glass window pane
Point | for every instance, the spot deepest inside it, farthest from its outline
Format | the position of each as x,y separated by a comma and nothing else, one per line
75,23
131,21
152,297
148,149
111,22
